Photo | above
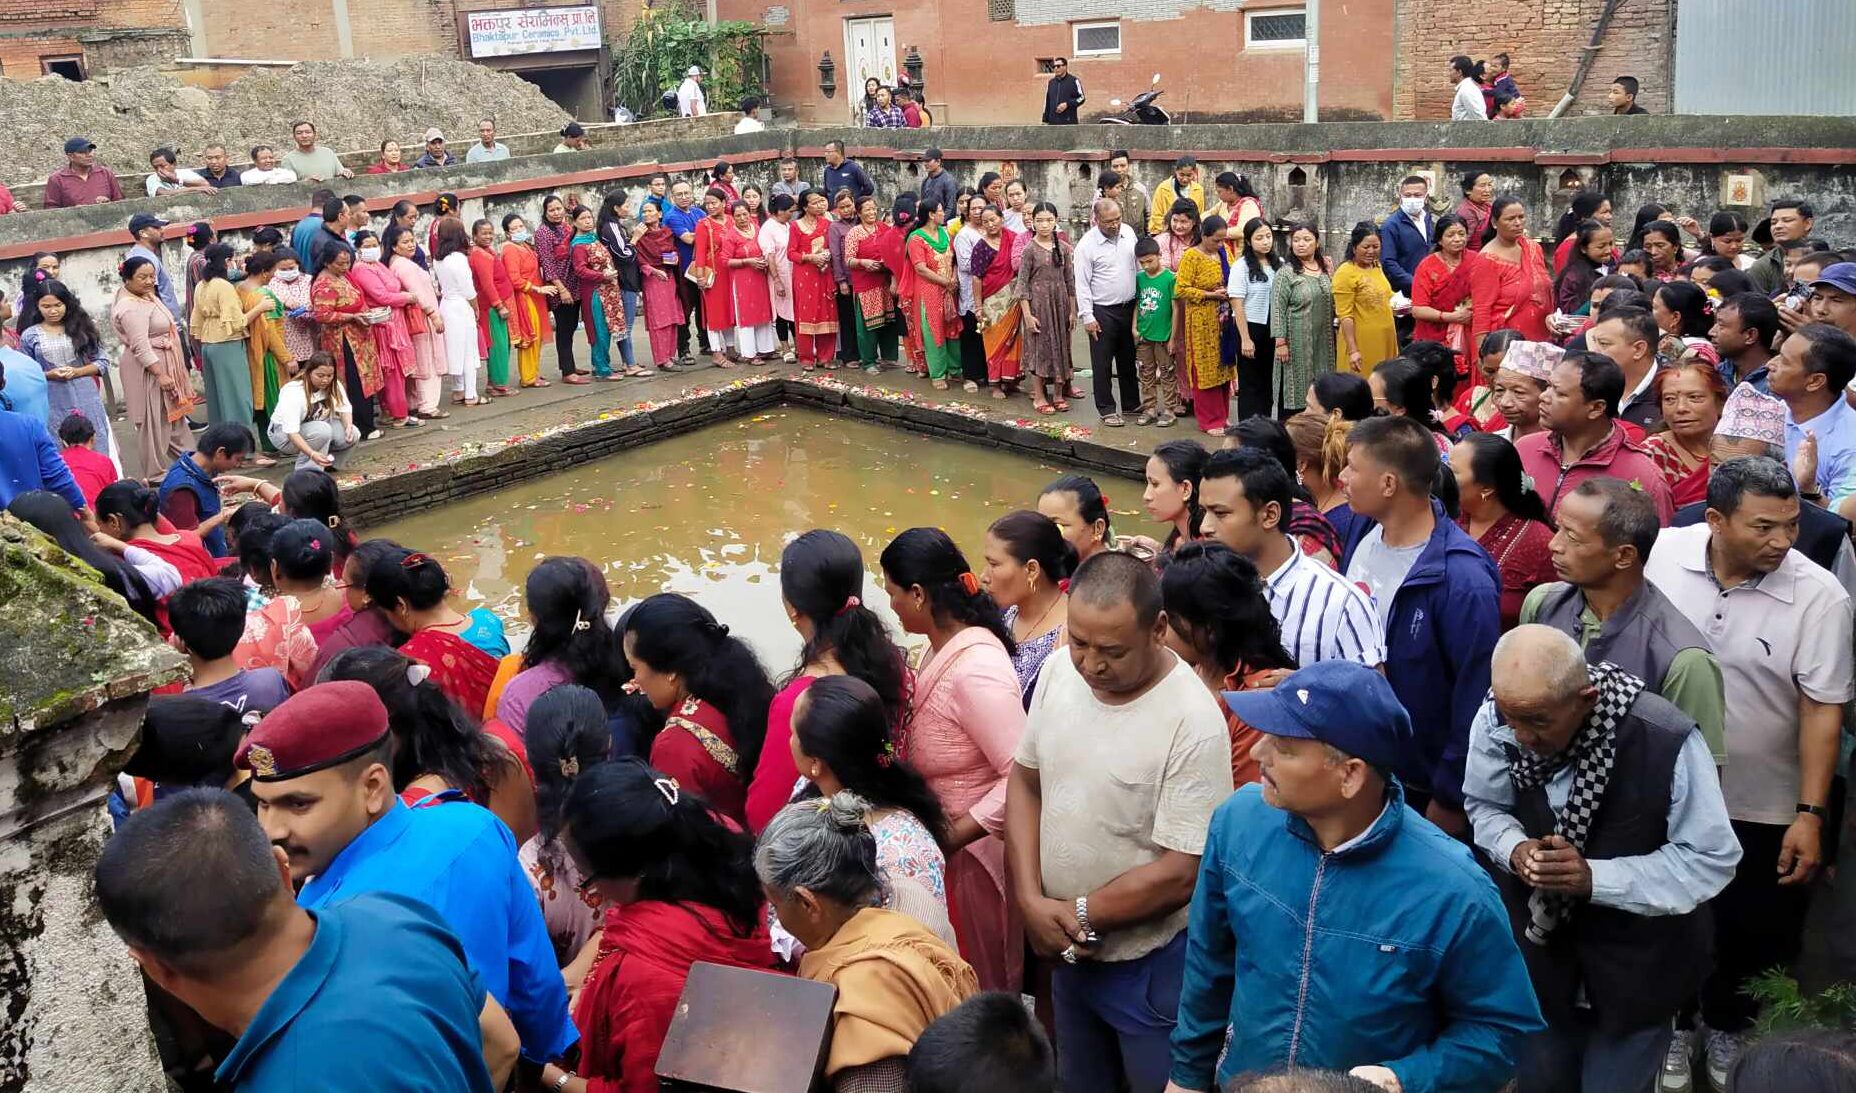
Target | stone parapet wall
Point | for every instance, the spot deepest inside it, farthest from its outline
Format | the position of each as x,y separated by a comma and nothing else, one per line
1332,174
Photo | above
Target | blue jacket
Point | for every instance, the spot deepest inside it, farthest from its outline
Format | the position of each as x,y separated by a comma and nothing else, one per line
848,175
1440,634
1402,247
1394,951
185,474
29,460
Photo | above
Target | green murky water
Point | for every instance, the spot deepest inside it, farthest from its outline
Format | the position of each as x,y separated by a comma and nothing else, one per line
707,514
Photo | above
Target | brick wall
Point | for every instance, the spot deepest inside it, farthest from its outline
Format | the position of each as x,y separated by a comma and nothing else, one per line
1543,39
109,35
19,57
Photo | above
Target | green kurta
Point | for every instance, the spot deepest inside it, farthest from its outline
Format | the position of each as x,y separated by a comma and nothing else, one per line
1302,313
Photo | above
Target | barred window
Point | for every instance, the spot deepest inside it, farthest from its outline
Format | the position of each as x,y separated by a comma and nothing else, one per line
1276,29
1096,38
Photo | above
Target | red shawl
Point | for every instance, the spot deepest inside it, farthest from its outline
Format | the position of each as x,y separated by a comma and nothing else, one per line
870,286
460,669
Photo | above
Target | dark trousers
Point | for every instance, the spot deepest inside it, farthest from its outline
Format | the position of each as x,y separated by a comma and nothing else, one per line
847,328
692,309
972,351
566,321
363,406
1254,374
1586,1059
1115,1020
1111,354
1758,924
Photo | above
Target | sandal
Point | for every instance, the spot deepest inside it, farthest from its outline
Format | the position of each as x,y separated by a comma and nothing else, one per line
1044,408
576,380
638,371
436,415
970,387
1113,421
1062,405
1075,391
538,383
999,393
939,385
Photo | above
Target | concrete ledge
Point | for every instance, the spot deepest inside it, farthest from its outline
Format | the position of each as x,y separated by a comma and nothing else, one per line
383,498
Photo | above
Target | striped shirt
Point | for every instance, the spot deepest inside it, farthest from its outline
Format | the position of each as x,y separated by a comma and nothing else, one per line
1323,615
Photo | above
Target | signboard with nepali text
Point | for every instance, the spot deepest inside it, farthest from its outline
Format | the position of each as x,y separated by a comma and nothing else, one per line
512,32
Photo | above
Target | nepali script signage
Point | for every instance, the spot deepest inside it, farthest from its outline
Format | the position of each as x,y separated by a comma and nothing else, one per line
511,32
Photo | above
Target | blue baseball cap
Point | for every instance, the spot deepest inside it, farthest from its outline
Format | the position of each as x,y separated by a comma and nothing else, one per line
1841,276
1337,702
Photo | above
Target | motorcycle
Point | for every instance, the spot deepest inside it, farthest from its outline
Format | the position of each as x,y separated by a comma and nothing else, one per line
1141,111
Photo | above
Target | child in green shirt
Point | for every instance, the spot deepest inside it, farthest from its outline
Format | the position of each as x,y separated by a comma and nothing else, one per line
1153,329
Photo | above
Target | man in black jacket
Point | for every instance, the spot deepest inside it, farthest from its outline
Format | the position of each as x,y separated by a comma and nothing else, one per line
1063,95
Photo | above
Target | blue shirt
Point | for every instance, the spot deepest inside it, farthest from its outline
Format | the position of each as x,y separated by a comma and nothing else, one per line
346,1016
29,460
185,474
460,860
847,176
486,632
26,386
1835,429
164,285
680,221
303,235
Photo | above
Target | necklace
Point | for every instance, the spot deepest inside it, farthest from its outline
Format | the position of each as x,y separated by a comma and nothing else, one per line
1036,627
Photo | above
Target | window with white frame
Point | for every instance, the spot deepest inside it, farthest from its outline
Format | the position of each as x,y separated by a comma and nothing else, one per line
1276,28
1095,39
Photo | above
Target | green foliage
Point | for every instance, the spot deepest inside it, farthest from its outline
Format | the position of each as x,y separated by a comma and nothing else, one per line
1784,1007
667,40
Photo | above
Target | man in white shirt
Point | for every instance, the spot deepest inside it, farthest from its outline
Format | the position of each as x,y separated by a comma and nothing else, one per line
1468,104
264,170
1780,626
1247,497
169,178
750,117
690,100
1105,308
487,149
1124,758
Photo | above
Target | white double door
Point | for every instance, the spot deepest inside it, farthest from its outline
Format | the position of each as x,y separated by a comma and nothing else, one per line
869,50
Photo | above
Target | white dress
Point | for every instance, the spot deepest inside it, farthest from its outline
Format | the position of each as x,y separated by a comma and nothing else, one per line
456,296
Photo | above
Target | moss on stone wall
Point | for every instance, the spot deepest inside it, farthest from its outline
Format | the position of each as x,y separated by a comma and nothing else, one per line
67,644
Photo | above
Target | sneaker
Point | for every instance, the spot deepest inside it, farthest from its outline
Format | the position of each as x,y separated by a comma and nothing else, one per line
1723,1052
1678,1065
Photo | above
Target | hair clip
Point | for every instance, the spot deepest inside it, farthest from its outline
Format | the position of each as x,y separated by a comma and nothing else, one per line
315,544
251,718
570,767
335,521
417,673
413,560
1105,501
849,604
971,583
887,757
668,787
580,623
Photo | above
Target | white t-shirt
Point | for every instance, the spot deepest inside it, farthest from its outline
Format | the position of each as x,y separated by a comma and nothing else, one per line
1468,105
276,176
690,100
750,125
1121,785
182,176
1382,569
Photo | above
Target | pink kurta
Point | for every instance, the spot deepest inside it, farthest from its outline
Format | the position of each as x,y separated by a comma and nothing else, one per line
428,348
966,715
392,340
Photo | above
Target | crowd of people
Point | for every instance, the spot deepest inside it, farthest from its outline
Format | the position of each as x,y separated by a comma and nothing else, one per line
1487,91
1468,710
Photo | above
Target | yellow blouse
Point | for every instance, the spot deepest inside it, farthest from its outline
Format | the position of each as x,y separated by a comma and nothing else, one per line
217,314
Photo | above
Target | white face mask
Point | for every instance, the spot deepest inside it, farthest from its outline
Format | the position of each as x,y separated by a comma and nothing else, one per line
370,254
288,275
519,236
1413,206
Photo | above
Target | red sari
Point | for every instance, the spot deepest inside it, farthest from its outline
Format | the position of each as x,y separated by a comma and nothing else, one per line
1686,485
753,294
1509,296
711,257
1434,284
696,748
460,669
1520,550
815,301
999,317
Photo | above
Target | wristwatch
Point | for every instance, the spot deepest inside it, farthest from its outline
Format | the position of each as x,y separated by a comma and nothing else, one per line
1819,811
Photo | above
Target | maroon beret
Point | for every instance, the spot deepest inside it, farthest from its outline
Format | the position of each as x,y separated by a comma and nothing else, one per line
314,729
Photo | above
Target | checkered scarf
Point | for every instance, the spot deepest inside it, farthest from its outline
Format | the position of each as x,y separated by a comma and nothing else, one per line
1592,752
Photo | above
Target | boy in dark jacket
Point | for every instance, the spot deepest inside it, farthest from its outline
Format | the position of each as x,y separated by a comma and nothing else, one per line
1439,596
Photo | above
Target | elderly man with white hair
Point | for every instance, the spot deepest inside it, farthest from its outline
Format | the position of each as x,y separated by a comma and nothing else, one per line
1597,803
